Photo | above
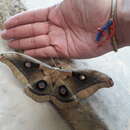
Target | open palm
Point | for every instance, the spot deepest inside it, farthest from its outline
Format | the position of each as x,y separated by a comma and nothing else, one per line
65,30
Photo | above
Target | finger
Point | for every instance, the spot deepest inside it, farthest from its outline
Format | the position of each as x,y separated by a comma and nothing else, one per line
24,31
30,43
46,52
27,17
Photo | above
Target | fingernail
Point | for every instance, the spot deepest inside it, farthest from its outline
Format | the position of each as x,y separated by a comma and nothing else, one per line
3,34
10,44
4,31
6,23
4,26
26,52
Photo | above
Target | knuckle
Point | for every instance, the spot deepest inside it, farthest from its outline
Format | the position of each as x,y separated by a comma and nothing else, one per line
33,42
35,52
31,28
19,44
11,33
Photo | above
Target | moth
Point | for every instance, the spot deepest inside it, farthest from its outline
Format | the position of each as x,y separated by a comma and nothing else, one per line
57,83
62,86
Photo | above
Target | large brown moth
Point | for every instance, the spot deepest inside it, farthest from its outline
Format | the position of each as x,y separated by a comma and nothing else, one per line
57,82
62,86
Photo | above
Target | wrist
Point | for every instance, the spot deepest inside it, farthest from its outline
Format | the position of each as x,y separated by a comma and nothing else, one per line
123,23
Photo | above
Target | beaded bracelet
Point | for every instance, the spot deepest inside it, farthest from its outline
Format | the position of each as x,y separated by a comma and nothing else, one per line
109,29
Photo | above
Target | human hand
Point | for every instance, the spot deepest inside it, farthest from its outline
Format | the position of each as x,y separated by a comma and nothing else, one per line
66,30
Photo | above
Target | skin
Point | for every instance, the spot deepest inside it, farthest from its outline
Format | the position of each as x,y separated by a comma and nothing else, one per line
65,30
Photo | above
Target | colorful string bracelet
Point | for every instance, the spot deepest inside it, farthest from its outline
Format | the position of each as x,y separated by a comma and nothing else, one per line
108,31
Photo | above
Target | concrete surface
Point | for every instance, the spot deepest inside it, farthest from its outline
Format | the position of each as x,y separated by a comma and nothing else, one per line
18,112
